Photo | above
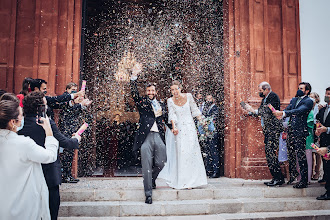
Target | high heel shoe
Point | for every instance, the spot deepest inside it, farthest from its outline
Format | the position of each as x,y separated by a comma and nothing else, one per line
315,177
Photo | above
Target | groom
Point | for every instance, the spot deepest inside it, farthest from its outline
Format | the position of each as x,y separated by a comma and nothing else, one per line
150,136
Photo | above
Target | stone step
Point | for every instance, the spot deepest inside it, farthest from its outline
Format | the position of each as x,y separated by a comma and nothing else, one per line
301,215
194,194
190,207
131,189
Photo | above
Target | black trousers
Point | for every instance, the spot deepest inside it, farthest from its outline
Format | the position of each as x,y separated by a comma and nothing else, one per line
326,175
54,201
212,161
271,148
66,161
297,148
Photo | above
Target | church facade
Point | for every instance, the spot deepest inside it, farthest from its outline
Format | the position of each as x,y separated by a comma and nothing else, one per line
260,41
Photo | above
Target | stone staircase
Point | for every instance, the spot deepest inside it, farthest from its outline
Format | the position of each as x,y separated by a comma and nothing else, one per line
223,198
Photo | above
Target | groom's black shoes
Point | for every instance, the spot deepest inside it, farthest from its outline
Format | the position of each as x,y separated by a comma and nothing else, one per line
276,183
270,182
149,200
215,175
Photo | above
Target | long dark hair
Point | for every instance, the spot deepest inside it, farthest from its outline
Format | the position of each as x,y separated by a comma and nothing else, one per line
25,86
8,111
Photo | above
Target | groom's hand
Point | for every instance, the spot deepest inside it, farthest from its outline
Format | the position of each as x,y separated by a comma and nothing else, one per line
136,70
175,131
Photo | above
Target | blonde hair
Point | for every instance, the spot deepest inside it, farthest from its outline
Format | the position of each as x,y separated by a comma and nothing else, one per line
317,97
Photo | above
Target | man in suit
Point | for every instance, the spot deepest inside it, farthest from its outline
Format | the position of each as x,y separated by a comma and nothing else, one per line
69,123
150,137
298,111
212,161
52,171
271,127
53,101
324,132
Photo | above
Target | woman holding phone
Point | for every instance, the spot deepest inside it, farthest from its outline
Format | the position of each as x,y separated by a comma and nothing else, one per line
24,191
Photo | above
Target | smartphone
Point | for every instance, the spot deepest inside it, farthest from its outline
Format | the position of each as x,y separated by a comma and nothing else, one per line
41,113
242,104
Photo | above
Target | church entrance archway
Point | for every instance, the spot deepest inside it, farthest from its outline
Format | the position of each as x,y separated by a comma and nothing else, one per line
172,40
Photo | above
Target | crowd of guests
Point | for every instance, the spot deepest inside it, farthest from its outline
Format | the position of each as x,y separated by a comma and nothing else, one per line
29,141
298,136
29,161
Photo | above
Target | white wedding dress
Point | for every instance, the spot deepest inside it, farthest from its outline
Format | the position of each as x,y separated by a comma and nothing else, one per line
184,167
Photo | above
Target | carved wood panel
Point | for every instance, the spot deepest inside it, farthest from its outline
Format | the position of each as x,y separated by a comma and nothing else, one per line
39,39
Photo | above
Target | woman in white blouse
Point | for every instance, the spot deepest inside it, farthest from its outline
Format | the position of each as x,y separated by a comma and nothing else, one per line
24,193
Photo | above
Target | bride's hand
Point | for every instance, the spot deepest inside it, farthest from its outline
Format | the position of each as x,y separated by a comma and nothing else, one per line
175,131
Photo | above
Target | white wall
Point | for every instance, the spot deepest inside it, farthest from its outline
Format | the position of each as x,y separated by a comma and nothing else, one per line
315,44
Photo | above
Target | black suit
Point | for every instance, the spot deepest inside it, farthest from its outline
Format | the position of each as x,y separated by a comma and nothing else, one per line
272,127
151,144
325,142
147,117
52,171
54,101
68,124
297,134
212,160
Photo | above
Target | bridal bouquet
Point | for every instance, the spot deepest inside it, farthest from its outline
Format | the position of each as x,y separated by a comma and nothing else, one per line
205,128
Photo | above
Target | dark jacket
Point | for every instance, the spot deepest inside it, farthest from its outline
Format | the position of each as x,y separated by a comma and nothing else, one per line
212,111
324,137
271,123
298,116
147,117
52,171
54,102
69,118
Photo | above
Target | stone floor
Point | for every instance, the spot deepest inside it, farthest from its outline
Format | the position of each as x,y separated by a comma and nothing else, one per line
223,198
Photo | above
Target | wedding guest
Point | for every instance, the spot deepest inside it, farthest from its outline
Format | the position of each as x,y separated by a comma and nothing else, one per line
26,88
211,111
69,122
283,150
317,159
309,141
10,97
185,167
324,133
298,111
52,171
53,101
24,193
271,127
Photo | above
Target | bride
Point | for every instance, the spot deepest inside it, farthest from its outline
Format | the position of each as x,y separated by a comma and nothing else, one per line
184,167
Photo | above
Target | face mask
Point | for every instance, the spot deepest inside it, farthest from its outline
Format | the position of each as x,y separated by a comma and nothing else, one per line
326,99
72,92
261,94
22,125
299,93
45,92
